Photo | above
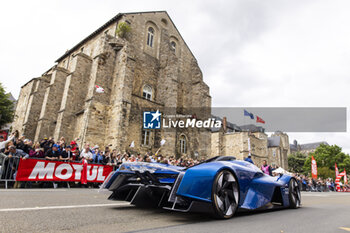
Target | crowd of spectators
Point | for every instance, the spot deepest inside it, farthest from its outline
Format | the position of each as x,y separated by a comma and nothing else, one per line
318,185
16,147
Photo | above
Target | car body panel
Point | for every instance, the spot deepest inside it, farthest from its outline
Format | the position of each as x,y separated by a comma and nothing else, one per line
195,184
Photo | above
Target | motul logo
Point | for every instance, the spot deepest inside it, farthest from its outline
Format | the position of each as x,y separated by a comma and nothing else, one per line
42,170
65,171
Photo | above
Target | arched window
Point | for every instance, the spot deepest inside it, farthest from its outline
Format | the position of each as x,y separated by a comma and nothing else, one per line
173,45
183,144
150,37
147,92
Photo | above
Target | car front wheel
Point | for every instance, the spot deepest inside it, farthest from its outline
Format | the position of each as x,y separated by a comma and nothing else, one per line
225,196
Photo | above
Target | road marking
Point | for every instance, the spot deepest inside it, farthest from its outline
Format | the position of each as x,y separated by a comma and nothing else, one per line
345,228
62,207
316,195
31,190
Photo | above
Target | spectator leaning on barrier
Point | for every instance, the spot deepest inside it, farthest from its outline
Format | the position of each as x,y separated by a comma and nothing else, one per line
28,146
86,153
107,160
37,152
5,151
66,154
14,156
53,153
96,155
75,150
14,152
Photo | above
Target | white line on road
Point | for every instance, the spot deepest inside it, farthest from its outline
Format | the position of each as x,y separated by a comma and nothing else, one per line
62,207
324,194
36,190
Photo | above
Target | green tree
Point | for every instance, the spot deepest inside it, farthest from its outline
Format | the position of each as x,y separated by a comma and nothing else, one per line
296,162
6,108
326,156
122,29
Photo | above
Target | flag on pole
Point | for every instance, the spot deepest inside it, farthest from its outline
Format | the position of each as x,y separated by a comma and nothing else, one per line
336,170
313,168
162,142
249,147
259,120
132,144
337,180
246,113
345,177
99,89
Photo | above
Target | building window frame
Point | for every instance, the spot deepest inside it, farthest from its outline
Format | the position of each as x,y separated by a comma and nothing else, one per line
173,46
150,36
147,92
183,144
146,137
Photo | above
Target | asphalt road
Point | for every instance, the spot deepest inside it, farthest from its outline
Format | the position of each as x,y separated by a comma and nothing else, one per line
85,210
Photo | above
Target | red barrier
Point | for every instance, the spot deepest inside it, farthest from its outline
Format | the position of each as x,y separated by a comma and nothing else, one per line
46,170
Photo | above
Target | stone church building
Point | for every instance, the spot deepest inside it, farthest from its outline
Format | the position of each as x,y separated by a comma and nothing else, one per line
148,67
239,141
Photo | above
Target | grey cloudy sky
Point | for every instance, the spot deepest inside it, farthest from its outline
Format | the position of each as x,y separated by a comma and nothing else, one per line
254,53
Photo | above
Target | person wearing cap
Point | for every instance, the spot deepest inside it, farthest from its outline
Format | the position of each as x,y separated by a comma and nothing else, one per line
53,153
67,154
46,144
249,159
75,150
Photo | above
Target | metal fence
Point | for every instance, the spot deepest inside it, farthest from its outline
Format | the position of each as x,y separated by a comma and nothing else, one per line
8,169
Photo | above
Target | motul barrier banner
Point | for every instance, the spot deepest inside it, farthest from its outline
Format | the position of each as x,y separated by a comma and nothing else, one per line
46,170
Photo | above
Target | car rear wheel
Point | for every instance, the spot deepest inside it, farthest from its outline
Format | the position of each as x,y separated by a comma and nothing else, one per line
225,195
294,194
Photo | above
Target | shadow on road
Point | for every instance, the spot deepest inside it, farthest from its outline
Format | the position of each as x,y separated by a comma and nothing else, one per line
186,218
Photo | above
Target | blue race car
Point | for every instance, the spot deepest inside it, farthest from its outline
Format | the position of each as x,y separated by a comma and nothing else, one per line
219,186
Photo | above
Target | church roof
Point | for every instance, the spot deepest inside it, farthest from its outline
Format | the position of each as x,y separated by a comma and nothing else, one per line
230,126
307,146
252,128
111,21
100,29
11,97
311,146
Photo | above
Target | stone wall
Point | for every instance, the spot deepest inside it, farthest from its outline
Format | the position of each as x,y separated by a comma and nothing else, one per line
69,106
236,144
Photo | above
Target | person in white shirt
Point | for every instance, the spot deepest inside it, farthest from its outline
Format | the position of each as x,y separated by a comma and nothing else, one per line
86,153
3,142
